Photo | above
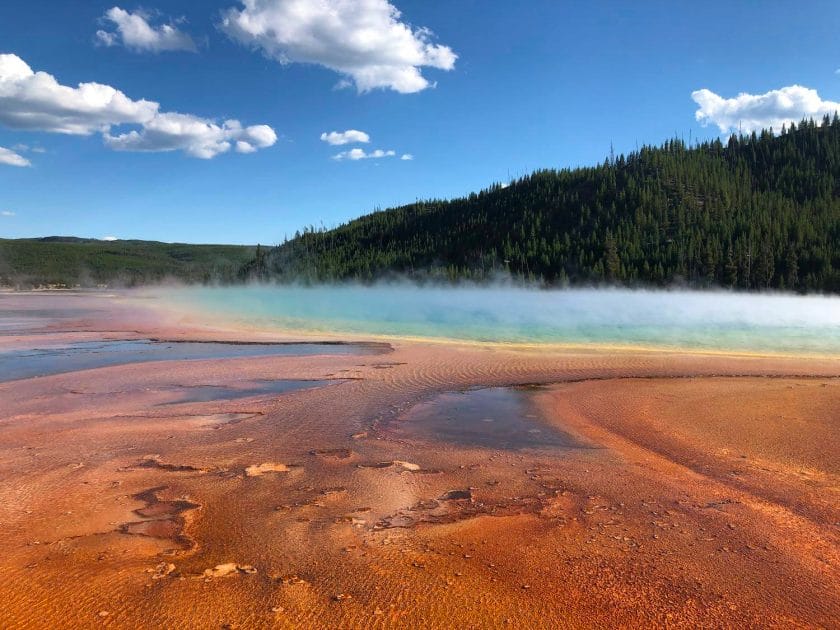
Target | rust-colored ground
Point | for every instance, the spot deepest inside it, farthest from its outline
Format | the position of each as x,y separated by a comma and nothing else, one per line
650,489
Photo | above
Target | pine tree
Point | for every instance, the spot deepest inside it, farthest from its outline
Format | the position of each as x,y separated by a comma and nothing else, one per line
757,211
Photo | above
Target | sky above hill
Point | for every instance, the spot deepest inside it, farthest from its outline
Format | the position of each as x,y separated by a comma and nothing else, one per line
242,121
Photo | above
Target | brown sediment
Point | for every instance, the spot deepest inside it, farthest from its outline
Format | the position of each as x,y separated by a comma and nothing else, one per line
336,453
630,490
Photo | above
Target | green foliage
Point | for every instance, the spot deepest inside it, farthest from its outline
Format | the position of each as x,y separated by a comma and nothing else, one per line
761,211
67,261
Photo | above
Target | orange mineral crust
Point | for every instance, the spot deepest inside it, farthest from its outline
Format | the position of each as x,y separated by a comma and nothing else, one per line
410,485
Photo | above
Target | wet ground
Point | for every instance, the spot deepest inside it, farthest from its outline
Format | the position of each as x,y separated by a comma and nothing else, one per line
209,393
36,313
85,355
493,418
428,488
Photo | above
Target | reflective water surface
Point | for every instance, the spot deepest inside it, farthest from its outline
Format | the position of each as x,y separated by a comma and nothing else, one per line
497,418
16,364
702,320
208,393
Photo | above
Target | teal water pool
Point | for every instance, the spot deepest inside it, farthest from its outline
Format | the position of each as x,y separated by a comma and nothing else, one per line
773,323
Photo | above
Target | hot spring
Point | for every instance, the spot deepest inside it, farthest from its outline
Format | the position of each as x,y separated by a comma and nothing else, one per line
690,320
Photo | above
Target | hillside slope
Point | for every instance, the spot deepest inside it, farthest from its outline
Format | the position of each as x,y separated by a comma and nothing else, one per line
70,261
761,211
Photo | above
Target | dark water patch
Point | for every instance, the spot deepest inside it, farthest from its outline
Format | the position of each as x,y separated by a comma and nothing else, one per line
497,418
317,347
160,518
85,355
456,495
209,393
431,512
155,462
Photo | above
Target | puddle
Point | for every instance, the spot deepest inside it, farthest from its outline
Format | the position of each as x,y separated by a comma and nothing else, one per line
17,364
160,518
498,418
210,393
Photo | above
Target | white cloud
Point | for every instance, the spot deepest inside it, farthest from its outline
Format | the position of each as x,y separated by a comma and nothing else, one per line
109,238
135,32
242,146
361,39
195,136
361,154
406,157
7,213
24,148
345,137
106,38
753,112
9,157
35,101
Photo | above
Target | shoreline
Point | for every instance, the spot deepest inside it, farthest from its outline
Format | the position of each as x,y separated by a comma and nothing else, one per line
230,325
204,325
642,488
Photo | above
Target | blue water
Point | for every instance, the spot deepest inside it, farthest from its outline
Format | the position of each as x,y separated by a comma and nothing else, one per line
213,393
777,323
86,355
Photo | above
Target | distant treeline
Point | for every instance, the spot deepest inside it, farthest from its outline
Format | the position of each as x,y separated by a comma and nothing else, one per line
68,262
757,212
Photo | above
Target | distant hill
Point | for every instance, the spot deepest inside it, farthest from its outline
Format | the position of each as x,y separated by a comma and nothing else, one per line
70,261
759,211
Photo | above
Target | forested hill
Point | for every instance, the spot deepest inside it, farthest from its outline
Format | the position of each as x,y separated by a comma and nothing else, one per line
63,261
761,211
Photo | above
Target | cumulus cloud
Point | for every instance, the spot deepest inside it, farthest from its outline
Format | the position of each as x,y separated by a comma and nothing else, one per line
361,154
9,157
350,136
36,101
134,31
364,40
752,112
7,213
406,157
195,136
110,238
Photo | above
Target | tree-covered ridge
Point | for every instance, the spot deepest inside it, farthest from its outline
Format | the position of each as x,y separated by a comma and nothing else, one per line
761,211
69,262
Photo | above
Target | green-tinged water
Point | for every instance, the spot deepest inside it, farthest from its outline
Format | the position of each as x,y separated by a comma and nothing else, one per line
773,323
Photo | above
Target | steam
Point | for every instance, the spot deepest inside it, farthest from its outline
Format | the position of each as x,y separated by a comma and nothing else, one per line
694,319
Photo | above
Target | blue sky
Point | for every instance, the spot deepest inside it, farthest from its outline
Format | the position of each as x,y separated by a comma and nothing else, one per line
495,90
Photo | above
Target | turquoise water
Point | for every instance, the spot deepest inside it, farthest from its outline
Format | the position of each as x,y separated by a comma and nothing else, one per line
667,319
